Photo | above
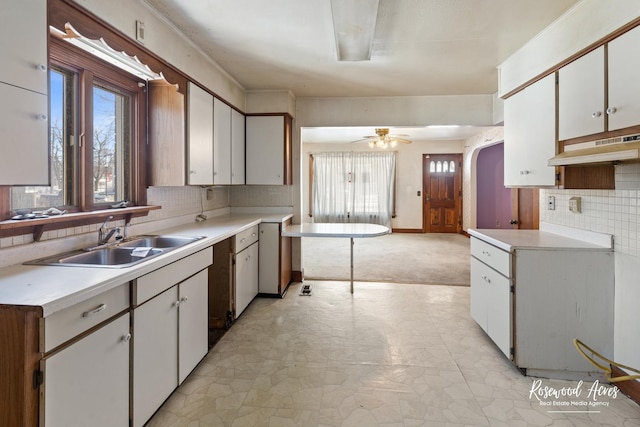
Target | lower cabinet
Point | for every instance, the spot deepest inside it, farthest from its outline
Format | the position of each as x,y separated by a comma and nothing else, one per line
170,333
87,383
246,277
275,259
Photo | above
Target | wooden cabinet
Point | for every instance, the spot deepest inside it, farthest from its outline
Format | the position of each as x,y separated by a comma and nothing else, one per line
268,149
581,96
87,383
221,143
24,125
623,108
534,300
237,148
170,330
167,142
199,135
274,259
530,135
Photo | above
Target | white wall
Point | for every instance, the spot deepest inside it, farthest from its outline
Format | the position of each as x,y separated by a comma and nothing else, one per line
616,211
408,173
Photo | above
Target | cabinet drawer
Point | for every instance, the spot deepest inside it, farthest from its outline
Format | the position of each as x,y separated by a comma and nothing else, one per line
246,237
495,258
72,321
158,281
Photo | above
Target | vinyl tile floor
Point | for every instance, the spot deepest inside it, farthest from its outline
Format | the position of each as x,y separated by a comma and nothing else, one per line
388,355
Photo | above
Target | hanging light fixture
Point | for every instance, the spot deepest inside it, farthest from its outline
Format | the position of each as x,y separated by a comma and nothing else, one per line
383,140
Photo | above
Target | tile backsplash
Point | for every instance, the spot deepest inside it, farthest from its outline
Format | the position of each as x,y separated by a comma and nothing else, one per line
606,211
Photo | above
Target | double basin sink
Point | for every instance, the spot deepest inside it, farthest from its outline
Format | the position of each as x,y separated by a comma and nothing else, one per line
119,255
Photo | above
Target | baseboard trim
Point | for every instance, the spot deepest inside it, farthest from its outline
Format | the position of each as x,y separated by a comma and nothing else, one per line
406,230
297,276
630,388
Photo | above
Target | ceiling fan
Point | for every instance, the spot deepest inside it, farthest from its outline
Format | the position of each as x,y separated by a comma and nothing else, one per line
382,139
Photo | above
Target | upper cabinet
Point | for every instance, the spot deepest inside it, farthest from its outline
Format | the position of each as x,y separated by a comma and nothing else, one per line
24,124
600,91
268,149
581,96
530,135
237,148
167,149
624,86
199,135
221,143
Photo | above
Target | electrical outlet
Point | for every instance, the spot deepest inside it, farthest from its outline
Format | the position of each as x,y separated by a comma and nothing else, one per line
551,203
574,204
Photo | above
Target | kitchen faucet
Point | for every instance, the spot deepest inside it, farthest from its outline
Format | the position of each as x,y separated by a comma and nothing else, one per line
104,238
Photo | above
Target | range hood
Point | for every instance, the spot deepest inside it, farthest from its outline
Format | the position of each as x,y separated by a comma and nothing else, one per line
620,148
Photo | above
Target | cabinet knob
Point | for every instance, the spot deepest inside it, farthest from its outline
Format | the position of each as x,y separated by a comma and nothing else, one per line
184,299
176,304
126,338
42,117
525,172
192,172
42,67
611,110
596,114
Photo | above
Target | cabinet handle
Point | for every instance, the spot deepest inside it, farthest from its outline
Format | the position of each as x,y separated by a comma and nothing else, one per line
184,299
192,172
126,338
596,114
96,310
486,279
611,110
525,172
486,253
176,304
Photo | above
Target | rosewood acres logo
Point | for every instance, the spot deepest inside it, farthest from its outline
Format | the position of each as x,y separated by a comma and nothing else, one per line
578,399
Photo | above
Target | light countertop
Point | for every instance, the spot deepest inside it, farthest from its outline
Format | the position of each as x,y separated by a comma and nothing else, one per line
57,287
549,237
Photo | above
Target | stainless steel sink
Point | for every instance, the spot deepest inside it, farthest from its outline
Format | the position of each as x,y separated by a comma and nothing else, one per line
160,242
119,255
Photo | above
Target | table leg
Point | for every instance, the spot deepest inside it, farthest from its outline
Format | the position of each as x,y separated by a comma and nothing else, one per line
351,264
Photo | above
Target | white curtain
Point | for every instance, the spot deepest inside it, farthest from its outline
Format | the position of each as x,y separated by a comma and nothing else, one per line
354,187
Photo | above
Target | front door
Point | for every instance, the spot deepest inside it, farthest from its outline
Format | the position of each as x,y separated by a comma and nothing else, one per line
442,193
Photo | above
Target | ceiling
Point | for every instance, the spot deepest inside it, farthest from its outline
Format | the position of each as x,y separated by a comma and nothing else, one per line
420,47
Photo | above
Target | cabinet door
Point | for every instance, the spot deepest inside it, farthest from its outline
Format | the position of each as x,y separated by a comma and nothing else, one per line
269,258
221,143
193,320
246,278
624,85
530,135
581,97
479,294
200,135
265,150
155,354
24,62
87,383
24,130
237,148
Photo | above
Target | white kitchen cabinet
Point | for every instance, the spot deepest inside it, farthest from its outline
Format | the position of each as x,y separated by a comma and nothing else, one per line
192,323
624,86
163,356
221,143
245,273
530,135
87,383
237,148
274,259
199,135
24,125
581,96
533,292
268,150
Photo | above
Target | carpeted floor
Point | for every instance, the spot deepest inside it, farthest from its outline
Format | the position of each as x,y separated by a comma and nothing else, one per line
438,258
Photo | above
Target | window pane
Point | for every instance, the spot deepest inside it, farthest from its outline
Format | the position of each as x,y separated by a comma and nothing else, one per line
446,167
432,166
61,147
452,166
111,145
439,166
